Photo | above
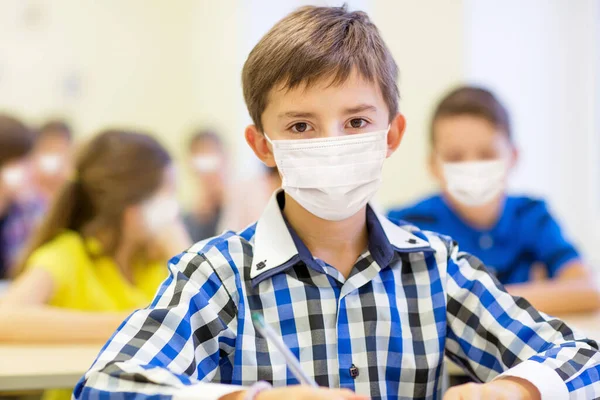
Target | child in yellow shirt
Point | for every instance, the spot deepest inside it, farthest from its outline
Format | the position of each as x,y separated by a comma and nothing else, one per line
101,251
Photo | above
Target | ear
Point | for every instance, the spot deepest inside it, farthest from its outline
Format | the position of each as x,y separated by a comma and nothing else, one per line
396,133
259,144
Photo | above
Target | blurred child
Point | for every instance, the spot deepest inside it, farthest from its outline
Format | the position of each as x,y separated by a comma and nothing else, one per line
52,157
367,308
20,210
101,251
255,193
472,154
209,165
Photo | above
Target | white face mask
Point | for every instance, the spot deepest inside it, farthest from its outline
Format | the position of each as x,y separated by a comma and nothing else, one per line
159,212
206,164
475,183
13,177
50,164
332,178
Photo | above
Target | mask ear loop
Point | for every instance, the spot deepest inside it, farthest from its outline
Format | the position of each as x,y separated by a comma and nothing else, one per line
276,166
268,139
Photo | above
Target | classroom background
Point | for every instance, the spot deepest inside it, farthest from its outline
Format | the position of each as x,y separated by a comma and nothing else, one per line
169,68
173,68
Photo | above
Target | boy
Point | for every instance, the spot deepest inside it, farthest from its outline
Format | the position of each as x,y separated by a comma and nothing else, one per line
363,304
19,209
52,153
472,153
209,166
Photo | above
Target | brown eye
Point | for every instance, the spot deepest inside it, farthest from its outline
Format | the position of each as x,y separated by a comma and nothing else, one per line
300,127
357,123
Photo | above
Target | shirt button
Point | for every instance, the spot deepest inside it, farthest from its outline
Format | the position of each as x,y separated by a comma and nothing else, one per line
486,242
353,371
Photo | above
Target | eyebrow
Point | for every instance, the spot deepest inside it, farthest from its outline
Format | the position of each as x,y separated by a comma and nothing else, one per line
352,110
296,114
360,108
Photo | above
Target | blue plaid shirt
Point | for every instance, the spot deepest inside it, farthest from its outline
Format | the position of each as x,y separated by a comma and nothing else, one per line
410,299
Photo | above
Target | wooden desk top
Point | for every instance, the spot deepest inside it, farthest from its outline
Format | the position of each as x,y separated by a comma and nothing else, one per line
36,367
3,286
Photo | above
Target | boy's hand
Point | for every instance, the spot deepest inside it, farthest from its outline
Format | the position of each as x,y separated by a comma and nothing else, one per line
503,389
302,393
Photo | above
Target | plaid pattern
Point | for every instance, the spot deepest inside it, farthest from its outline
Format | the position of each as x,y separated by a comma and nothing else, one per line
410,299
21,219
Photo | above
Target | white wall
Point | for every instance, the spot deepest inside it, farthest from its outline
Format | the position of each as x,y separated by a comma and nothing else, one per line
426,39
123,61
109,63
137,63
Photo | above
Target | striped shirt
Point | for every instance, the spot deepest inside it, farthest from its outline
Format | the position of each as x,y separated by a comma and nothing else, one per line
410,299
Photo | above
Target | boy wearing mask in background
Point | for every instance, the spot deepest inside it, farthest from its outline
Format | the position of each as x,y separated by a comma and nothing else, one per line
363,304
19,208
472,154
52,155
208,163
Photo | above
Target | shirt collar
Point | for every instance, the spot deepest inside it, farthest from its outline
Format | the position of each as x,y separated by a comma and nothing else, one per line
275,245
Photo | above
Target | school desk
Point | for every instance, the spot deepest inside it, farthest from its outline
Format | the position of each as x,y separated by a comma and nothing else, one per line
37,367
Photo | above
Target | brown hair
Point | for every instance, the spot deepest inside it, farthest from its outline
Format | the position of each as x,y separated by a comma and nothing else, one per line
55,127
314,43
205,135
114,170
16,140
474,101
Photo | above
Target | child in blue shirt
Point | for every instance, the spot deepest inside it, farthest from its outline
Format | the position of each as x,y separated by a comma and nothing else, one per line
472,153
368,308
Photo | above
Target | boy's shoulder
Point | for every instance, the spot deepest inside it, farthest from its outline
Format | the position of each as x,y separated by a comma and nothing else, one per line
523,206
423,211
219,260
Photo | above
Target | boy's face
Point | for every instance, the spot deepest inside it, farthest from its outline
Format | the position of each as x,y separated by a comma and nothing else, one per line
324,110
52,156
15,178
208,163
467,138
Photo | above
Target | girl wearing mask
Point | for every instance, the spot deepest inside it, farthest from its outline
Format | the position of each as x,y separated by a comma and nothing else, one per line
515,236
102,249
